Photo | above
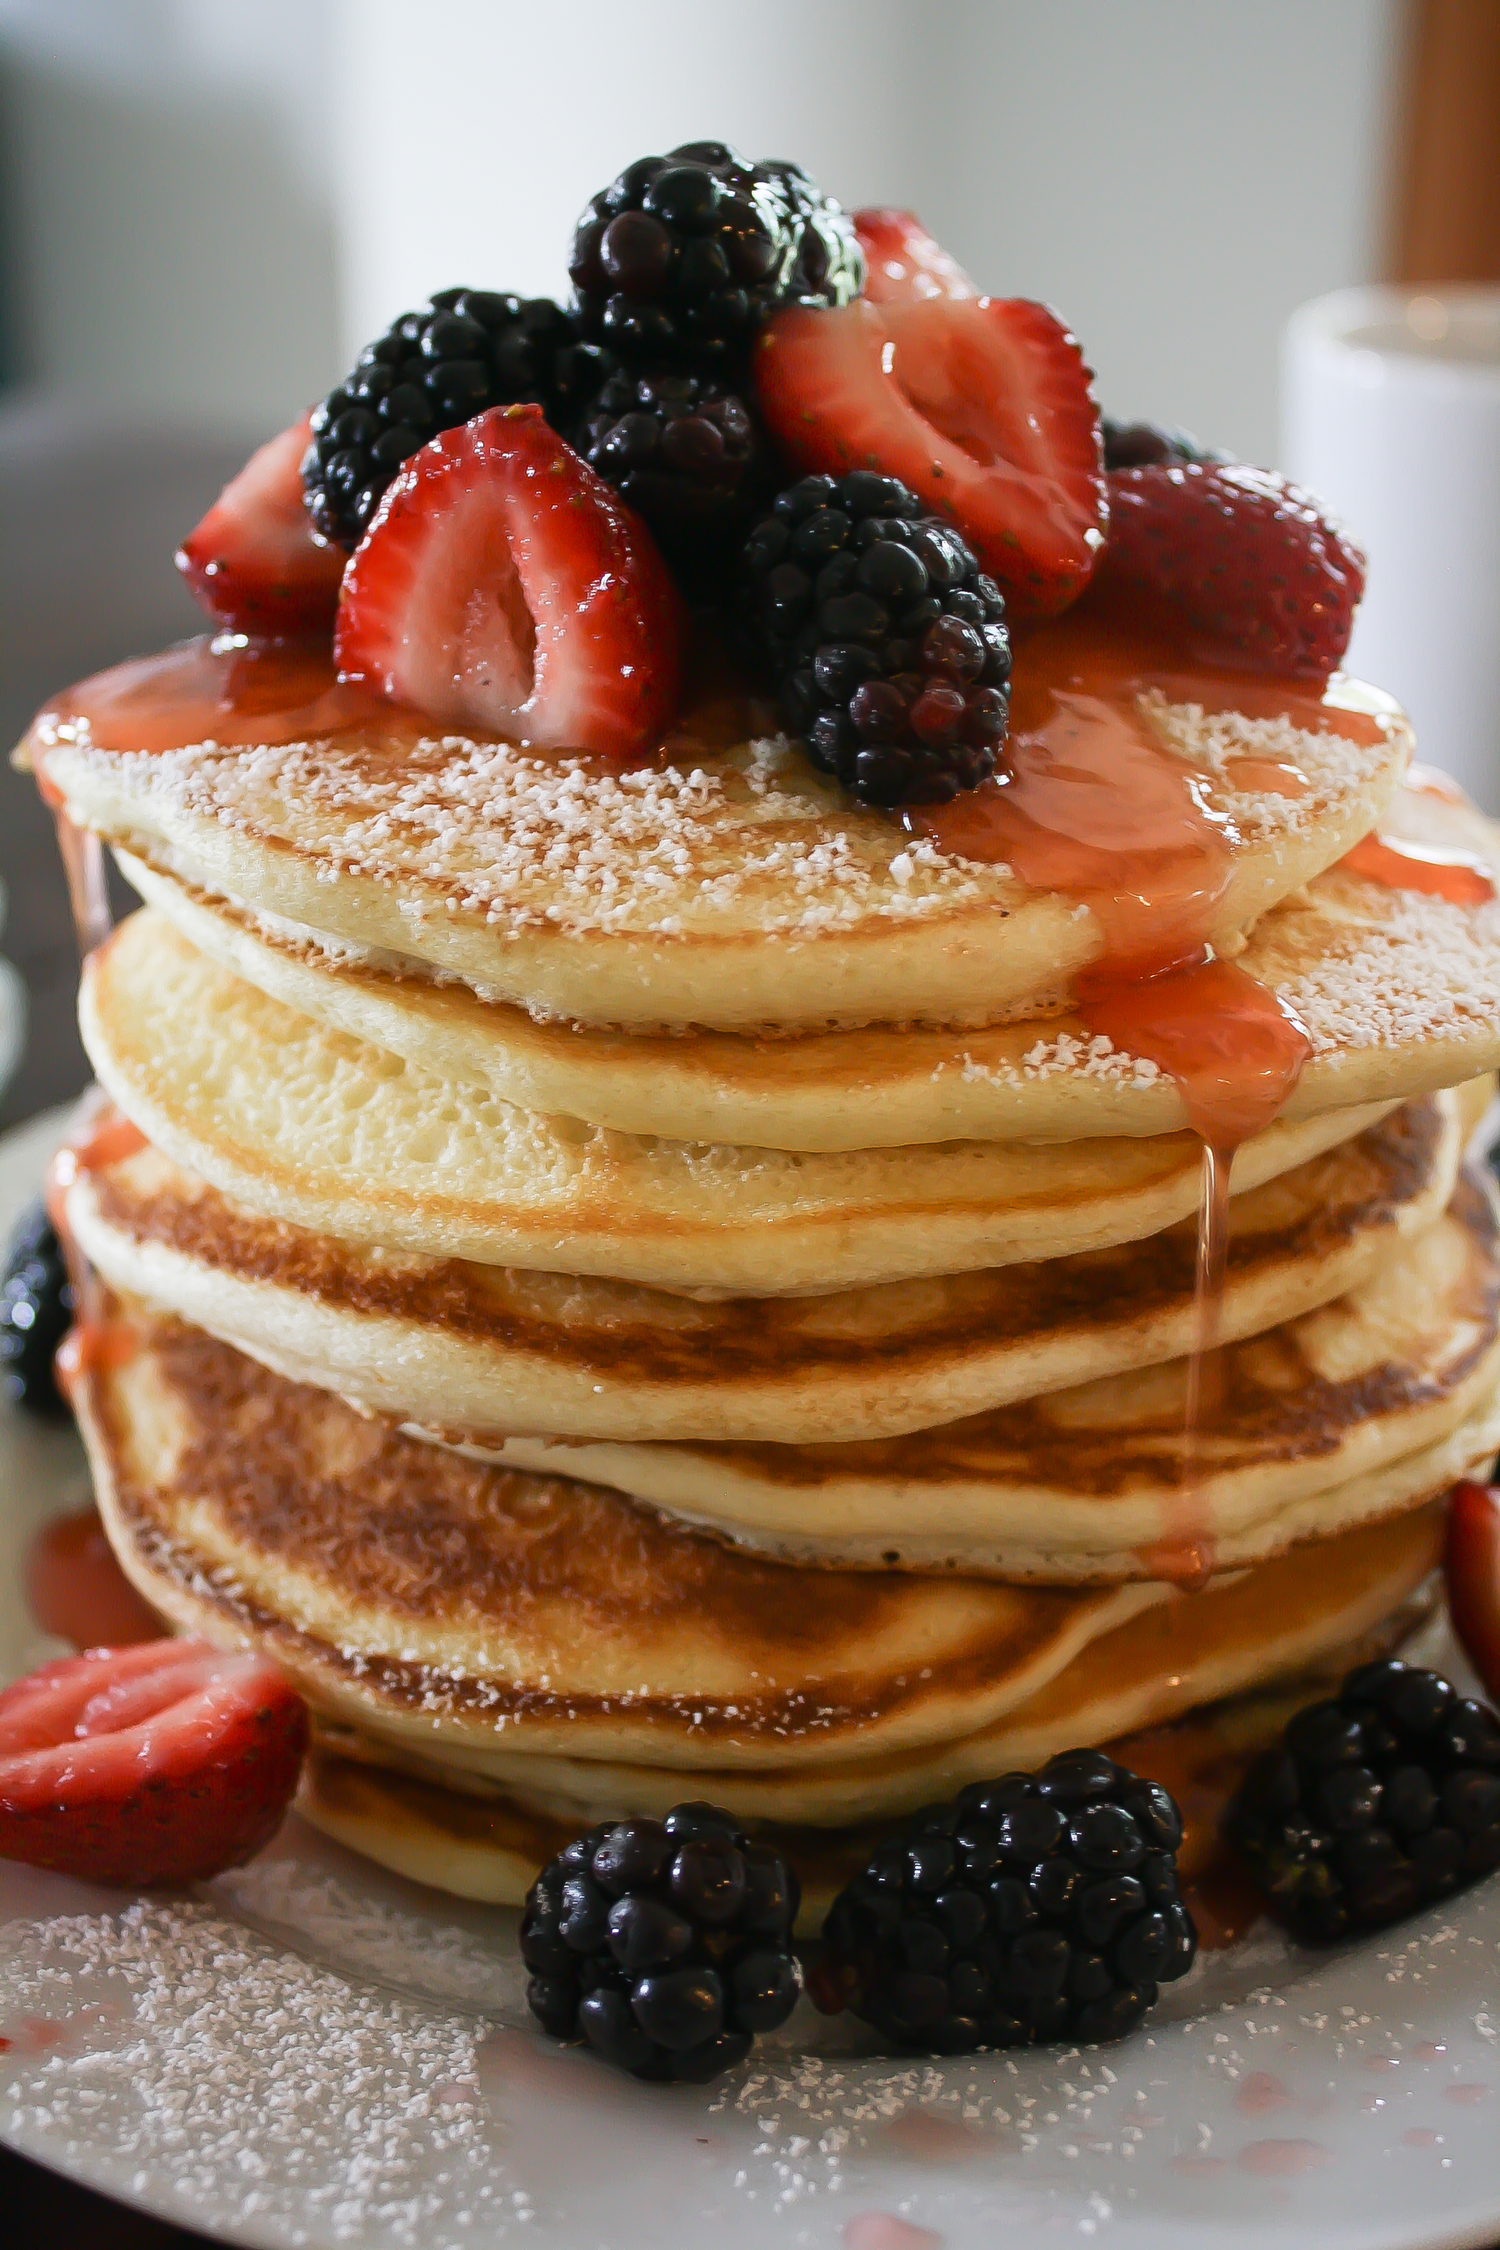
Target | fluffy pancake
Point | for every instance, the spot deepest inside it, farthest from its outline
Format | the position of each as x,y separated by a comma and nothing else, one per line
305,1124
482,1603
734,889
1344,1415
547,1636
476,1840
1399,993
490,1351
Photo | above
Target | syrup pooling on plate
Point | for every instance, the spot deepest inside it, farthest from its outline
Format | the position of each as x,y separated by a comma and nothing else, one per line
1094,804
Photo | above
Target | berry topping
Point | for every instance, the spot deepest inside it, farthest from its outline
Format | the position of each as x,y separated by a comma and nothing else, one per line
465,351
1037,1907
1472,1566
888,644
679,261
253,561
1379,1800
162,1763
665,1944
503,586
903,262
1238,559
1149,445
981,406
688,455
36,1311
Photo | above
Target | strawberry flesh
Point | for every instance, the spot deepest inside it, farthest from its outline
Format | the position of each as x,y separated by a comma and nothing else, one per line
161,1763
903,263
503,586
1472,1566
253,561
980,405
1243,565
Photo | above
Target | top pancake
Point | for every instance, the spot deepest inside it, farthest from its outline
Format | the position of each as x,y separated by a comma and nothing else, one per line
646,898
1398,992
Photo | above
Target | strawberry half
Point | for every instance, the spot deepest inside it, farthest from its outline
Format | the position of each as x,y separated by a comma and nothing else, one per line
502,585
162,1763
981,405
1245,564
903,262
253,561
1472,1566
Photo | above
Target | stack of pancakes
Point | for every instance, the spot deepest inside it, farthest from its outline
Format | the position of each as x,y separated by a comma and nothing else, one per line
641,1286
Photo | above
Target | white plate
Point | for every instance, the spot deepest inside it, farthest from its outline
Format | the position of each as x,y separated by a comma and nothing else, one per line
310,2052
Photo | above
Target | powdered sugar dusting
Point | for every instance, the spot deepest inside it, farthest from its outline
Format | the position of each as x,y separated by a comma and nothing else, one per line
340,2113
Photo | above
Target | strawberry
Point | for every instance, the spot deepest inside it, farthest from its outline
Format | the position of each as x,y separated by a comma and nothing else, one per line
161,1763
981,405
903,262
502,585
253,561
1472,1567
1243,562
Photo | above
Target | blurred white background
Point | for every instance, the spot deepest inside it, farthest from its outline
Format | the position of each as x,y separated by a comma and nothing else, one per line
212,203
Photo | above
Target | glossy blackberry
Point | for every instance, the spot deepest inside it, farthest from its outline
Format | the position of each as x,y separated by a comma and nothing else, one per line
464,351
1038,1907
1376,1802
688,455
679,260
664,1944
1151,445
887,642
36,1310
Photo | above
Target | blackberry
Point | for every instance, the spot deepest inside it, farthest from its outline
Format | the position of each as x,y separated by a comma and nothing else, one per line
664,1944
36,1310
1037,1907
1152,445
1376,1802
688,455
681,258
888,644
463,351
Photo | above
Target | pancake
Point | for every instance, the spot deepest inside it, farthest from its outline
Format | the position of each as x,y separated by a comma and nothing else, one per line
1398,992
476,1603
1346,1414
1240,1633
546,1635
491,1351
735,888
479,1842
304,1124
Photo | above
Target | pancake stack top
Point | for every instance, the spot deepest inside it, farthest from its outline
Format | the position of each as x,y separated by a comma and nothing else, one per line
636,1274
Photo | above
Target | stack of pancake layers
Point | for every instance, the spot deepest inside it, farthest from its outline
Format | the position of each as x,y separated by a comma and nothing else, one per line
642,1286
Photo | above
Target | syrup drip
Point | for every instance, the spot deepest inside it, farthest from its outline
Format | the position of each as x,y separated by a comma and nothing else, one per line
101,1136
88,894
1096,806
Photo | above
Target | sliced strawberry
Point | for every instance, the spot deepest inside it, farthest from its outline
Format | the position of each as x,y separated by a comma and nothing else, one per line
902,260
503,585
162,1763
981,405
253,561
1472,1566
1244,564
